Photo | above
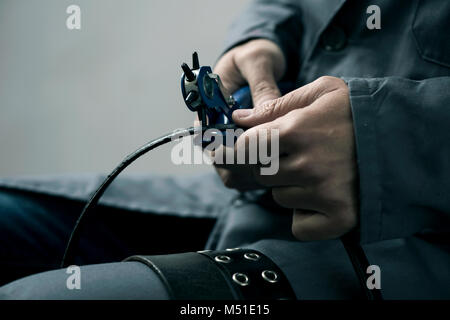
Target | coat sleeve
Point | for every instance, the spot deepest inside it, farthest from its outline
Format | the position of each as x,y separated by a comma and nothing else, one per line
275,20
402,132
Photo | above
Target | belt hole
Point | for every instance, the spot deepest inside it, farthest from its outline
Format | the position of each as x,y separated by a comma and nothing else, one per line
222,259
241,279
252,256
270,276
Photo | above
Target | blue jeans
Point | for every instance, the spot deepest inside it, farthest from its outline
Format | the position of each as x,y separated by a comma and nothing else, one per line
35,229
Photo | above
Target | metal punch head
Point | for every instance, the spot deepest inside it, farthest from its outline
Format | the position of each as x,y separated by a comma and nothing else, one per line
189,84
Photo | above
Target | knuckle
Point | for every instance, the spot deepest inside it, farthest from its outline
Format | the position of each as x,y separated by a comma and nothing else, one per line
226,58
285,133
305,165
291,125
269,108
225,62
250,53
312,169
283,130
306,168
330,83
326,80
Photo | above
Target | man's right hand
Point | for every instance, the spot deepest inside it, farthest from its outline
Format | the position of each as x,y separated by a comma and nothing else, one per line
260,64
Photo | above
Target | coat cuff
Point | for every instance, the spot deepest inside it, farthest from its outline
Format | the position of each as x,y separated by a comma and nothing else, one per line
364,111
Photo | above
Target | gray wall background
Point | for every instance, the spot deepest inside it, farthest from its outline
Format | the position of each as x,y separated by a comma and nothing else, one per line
79,101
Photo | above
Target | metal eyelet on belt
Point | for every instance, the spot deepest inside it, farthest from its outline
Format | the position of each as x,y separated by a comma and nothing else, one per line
252,274
252,256
270,276
204,251
241,279
222,259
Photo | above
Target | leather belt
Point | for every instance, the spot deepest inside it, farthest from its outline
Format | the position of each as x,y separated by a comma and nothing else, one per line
231,274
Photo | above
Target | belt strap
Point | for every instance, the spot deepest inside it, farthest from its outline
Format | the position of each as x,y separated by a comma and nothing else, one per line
232,274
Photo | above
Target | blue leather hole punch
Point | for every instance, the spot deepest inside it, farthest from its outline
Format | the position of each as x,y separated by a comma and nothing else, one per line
204,93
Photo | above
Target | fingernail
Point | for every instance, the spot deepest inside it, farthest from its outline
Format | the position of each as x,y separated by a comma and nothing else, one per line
242,113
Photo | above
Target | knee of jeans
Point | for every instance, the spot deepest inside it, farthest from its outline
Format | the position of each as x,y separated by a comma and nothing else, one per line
50,285
28,288
4,295
98,282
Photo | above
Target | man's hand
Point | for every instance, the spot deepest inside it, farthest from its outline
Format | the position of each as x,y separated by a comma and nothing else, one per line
317,172
258,63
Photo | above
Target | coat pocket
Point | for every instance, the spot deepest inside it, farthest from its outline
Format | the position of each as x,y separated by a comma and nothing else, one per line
431,30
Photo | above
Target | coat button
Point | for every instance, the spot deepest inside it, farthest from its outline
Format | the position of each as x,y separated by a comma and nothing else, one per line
333,38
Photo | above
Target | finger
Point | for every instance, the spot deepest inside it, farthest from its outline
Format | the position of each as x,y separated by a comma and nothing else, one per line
230,76
308,226
235,179
315,218
299,98
282,178
305,197
219,155
259,145
290,173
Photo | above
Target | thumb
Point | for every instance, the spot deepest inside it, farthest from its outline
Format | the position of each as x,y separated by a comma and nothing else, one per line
267,112
273,109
